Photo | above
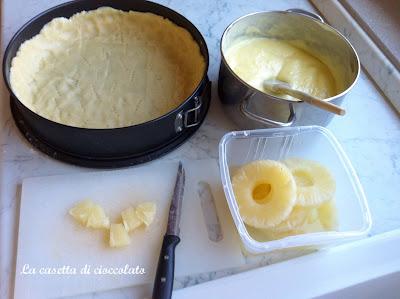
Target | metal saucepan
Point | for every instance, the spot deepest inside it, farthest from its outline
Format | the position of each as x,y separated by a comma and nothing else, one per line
251,108
109,147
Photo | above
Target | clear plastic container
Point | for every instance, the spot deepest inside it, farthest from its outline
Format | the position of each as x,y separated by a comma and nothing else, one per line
310,142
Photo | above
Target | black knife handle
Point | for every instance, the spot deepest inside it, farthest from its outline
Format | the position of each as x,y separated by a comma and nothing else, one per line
164,280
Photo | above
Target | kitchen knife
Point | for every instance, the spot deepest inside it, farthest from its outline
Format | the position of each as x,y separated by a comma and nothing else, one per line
164,279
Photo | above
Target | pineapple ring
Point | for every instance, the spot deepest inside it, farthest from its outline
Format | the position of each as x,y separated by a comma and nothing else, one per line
299,217
328,215
302,220
315,183
265,192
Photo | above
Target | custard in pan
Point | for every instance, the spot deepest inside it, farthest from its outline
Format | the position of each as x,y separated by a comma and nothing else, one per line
257,59
107,68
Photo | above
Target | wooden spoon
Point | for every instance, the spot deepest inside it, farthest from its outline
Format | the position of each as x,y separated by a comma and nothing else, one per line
283,87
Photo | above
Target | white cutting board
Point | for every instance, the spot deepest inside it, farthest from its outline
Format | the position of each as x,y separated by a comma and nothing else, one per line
49,237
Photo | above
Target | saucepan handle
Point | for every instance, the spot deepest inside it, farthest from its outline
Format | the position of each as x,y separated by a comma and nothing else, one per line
244,108
307,13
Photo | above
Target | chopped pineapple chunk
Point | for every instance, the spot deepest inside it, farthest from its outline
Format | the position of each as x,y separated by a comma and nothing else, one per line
82,211
90,214
130,219
146,212
98,218
118,235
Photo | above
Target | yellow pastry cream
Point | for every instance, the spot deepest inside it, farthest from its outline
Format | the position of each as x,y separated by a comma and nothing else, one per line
258,59
107,68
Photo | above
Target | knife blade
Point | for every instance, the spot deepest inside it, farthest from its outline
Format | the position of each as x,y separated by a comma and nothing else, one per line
175,209
164,280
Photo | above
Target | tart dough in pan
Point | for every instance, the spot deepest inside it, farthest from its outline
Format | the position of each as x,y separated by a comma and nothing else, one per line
107,68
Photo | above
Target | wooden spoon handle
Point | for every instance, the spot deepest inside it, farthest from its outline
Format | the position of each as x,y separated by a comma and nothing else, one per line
316,102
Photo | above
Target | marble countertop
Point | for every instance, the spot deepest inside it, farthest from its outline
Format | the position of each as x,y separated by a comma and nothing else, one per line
369,133
376,60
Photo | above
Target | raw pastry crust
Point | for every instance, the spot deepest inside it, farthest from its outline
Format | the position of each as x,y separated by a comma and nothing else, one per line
107,68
